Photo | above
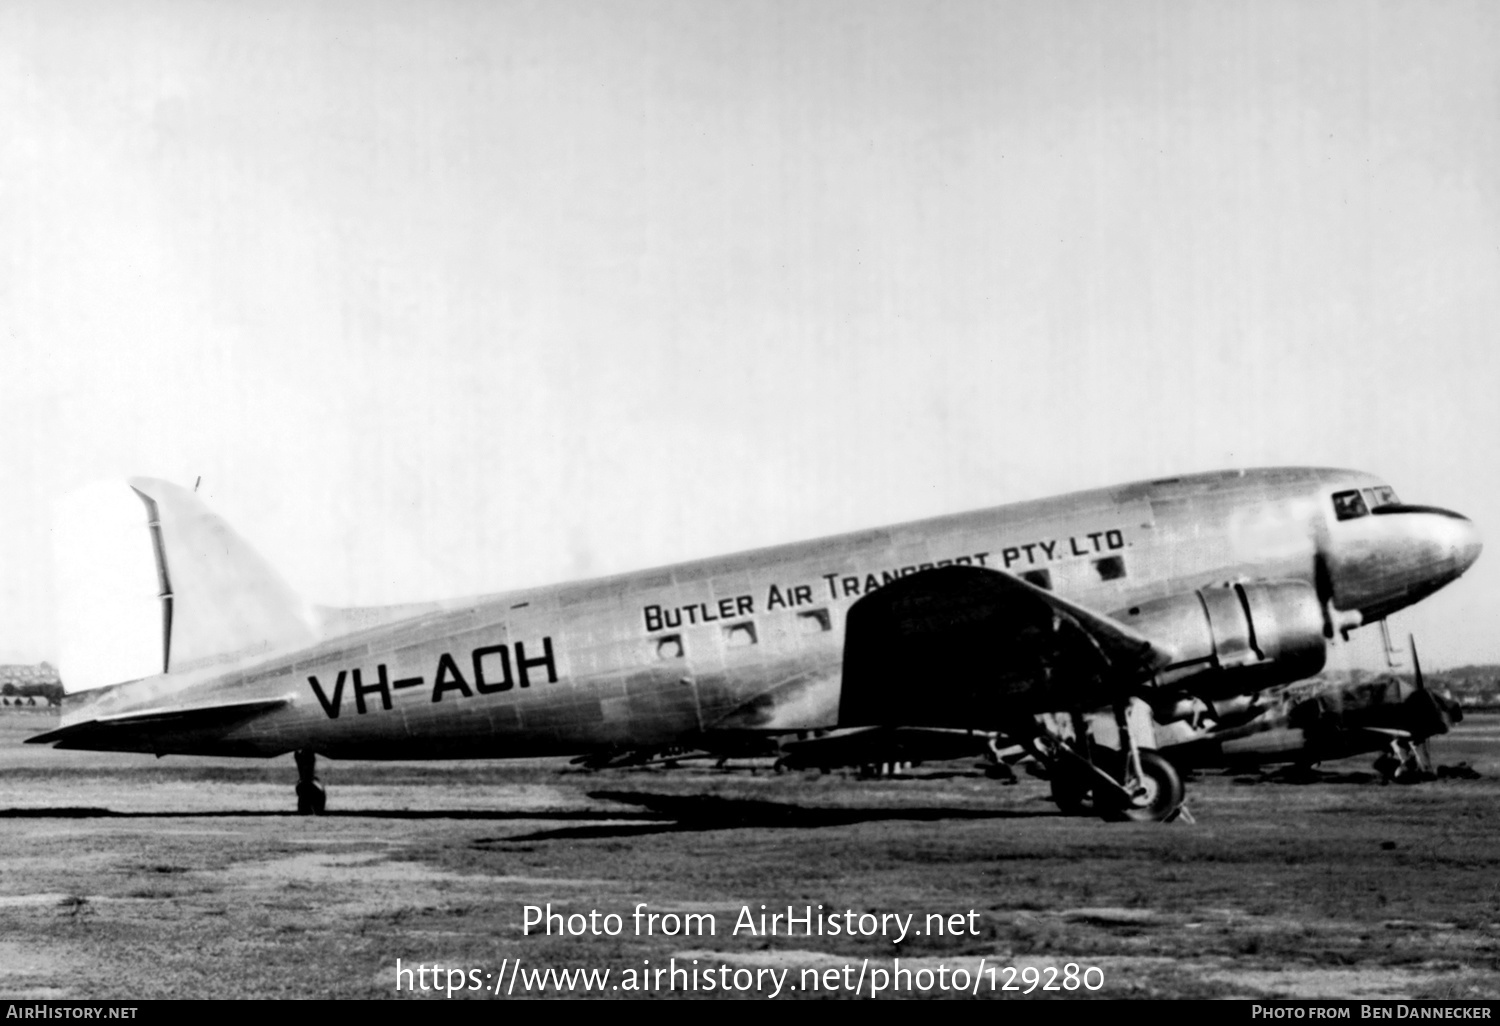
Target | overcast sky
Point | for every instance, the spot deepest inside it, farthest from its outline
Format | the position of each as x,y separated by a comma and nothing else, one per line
441,298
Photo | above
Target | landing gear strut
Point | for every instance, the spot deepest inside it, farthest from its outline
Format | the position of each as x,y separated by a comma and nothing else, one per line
311,798
1405,763
1126,783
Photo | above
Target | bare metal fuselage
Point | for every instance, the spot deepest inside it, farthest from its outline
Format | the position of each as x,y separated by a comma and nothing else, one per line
755,641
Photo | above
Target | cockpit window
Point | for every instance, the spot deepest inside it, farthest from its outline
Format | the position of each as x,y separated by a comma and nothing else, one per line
1348,505
1384,496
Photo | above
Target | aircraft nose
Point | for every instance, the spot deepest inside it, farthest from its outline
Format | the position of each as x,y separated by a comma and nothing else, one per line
1467,545
1421,549
1457,539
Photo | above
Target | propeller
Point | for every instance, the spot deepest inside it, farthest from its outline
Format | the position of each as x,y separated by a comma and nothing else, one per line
1336,622
1323,586
1438,712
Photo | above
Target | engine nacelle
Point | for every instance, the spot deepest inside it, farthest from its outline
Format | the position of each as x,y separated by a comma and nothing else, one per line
1235,640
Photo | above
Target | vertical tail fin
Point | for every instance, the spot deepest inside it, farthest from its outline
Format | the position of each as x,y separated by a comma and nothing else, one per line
151,581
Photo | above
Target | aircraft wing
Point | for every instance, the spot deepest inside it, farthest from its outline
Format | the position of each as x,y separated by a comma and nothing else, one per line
165,719
1121,645
973,647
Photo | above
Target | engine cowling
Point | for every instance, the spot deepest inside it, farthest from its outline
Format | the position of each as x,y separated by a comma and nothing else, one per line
1237,639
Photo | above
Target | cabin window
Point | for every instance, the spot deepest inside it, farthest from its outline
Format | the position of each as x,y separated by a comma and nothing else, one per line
814,621
669,646
1111,568
738,635
1040,578
1349,505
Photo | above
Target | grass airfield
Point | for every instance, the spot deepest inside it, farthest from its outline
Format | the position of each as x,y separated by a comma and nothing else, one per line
123,876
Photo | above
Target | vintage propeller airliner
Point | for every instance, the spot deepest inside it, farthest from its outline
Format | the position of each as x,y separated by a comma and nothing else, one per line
1313,721
1063,625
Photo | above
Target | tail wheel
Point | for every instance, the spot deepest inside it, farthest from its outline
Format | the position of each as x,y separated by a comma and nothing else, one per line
1163,792
311,798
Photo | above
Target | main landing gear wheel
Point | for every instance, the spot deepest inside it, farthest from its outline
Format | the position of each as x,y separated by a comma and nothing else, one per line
1161,792
311,798
1091,778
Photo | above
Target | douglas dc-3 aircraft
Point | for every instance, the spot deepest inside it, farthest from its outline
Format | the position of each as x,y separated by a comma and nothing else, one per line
1175,592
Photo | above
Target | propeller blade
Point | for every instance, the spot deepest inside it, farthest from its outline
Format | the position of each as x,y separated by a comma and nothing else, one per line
1323,586
1446,711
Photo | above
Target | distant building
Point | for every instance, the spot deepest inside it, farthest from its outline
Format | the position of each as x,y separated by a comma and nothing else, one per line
25,681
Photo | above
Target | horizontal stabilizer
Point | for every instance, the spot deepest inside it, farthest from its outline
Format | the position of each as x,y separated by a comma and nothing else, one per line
159,720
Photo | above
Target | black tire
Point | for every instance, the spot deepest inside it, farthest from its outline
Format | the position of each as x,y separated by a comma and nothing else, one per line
1164,792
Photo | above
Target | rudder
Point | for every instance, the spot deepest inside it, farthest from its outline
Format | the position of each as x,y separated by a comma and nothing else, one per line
151,581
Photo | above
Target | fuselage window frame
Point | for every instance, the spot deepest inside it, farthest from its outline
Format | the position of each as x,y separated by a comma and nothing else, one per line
1110,568
1349,505
1040,578
740,635
814,621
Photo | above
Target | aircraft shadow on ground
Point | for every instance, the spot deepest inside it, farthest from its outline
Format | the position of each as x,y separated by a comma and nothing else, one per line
84,812
1299,776
661,813
670,813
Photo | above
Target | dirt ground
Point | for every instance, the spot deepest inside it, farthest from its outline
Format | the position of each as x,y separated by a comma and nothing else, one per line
122,876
